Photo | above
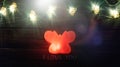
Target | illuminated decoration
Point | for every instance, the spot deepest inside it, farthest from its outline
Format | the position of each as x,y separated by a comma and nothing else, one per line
72,11
59,43
95,8
3,11
51,11
33,16
13,7
114,13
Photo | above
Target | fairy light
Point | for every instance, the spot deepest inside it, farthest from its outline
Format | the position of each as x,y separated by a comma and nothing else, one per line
95,8
114,13
33,16
3,11
72,11
13,7
51,11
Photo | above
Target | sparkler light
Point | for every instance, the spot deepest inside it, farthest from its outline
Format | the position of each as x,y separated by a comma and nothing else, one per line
95,8
114,13
3,11
59,43
13,7
72,11
51,11
33,16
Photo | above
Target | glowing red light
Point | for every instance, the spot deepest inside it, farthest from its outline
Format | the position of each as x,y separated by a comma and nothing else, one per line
59,43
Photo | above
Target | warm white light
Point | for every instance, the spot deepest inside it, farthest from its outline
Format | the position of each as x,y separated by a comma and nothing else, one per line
3,11
95,8
33,16
114,13
72,11
43,3
51,11
56,47
13,7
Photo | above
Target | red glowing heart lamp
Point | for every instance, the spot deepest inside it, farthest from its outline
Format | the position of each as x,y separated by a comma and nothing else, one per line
59,43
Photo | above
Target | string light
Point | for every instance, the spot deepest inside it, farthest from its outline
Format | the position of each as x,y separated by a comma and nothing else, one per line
95,7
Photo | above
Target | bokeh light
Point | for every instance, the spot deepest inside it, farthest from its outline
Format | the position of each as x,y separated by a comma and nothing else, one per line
114,13
95,8
33,16
51,11
13,7
72,10
3,11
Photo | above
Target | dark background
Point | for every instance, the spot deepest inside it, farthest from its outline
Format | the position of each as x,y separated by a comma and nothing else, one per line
97,44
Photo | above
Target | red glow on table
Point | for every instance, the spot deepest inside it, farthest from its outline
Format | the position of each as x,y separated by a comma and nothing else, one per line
59,43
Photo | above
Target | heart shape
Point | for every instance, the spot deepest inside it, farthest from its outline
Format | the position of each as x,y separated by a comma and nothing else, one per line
59,43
